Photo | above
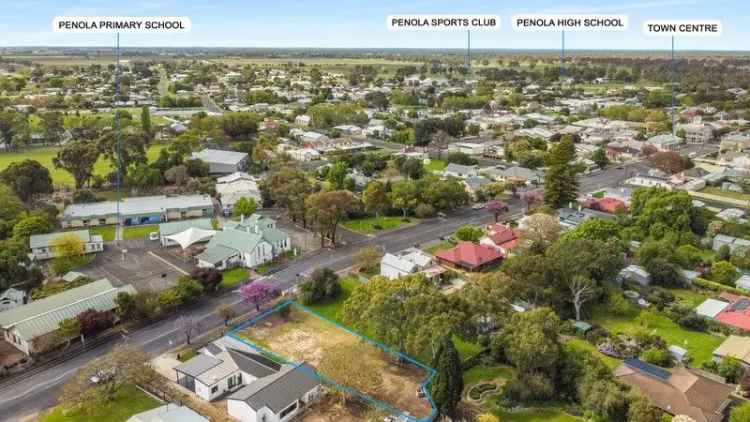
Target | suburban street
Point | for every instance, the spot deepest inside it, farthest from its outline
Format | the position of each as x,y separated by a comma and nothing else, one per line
38,391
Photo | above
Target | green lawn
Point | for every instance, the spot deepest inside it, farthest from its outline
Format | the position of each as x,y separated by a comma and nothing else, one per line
186,354
481,373
128,401
699,345
332,308
446,244
579,344
367,225
435,165
107,232
690,297
536,415
233,277
44,156
466,349
729,194
139,232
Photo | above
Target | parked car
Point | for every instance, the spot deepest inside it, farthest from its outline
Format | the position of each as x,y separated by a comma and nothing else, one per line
153,236
478,206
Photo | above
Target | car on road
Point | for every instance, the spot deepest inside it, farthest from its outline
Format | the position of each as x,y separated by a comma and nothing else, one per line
441,214
153,236
478,206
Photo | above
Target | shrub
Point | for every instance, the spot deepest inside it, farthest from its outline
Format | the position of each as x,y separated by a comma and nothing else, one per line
731,369
656,356
93,321
692,321
210,278
723,272
323,284
618,305
424,211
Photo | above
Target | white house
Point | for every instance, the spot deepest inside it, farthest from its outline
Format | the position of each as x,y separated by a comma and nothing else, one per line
313,138
304,154
665,142
460,171
11,298
235,186
223,162
468,148
405,262
43,245
635,273
303,120
733,243
258,388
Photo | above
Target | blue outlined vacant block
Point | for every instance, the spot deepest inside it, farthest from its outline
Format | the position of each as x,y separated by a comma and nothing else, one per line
304,336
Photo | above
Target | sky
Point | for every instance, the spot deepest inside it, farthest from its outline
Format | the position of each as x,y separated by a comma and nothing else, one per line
362,24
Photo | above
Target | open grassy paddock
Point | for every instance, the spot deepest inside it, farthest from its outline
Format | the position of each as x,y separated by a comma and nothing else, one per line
305,337
44,156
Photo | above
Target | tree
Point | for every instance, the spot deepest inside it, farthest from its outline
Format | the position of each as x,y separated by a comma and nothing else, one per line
530,198
32,224
344,363
126,305
146,120
244,207
595,229
407,313
326,209
602,397
448,384
210,278
581,291
11,210
368,258
14,129
27,178
539,232
189,289
469,233
731,369
288,188
92,321
723,272
52,125
487,417
669,162
323,284
375,198
496,208
78,159
258,293
740,413
177,175
561,178
226,312
600,158
69,252
124,365
404,196
189,326
665,274
68,329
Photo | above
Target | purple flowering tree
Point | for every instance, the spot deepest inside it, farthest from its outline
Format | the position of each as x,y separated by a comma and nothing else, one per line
258,293
496,208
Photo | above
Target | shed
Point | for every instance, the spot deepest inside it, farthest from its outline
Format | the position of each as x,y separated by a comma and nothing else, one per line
710,308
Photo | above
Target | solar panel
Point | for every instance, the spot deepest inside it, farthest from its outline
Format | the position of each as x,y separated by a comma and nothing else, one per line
741,305
648,368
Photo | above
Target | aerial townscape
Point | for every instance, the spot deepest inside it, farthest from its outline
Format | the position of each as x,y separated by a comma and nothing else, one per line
481,232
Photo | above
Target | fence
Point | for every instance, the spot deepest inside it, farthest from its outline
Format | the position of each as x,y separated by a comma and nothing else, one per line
425,386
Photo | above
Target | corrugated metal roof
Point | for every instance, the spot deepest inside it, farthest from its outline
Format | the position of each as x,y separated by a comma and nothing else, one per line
43,316
138,206
45,240
220,156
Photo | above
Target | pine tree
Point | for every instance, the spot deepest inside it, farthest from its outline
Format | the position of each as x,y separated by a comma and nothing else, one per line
561,178
448,383
146,120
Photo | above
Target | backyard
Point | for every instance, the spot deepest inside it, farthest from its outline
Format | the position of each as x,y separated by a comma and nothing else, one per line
700,345
370,225
107,232
305,337
128,401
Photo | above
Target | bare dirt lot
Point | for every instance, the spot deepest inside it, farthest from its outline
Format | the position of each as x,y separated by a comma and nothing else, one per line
304,337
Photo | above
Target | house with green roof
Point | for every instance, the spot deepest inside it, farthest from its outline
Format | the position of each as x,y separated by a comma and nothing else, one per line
43,245
22,326
250,242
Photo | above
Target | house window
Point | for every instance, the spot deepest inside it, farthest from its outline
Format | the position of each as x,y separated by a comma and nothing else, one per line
214,389
102,221
288,410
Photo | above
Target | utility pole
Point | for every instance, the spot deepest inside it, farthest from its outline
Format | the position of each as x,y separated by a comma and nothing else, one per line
674,82
118,138
468,50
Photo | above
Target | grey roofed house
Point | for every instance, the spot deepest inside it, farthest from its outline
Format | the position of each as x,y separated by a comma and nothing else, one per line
221,161
278,391
42,245
168,413
458,170
520,173
476,182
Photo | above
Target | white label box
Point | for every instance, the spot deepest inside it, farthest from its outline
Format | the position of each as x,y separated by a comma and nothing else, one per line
549,22
683,28
120,24
443,22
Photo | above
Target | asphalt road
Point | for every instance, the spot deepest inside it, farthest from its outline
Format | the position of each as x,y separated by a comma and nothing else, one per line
39,391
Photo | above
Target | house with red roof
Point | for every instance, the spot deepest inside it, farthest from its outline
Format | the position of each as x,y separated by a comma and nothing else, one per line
606,204
737,313
469,256
501,237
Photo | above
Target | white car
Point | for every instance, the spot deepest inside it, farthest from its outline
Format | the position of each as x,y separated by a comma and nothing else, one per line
478,206
153,236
